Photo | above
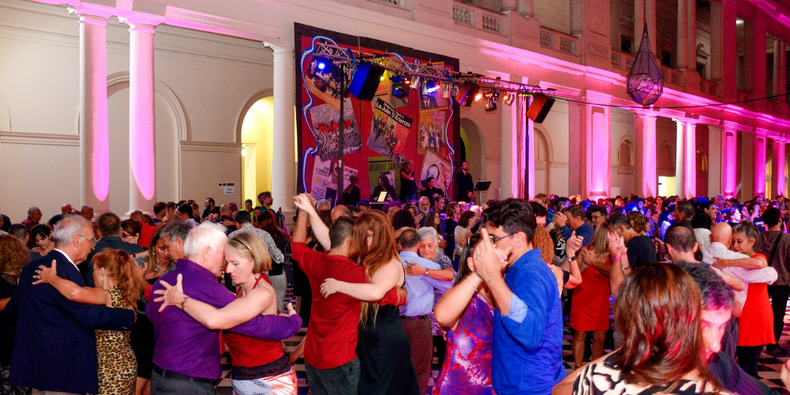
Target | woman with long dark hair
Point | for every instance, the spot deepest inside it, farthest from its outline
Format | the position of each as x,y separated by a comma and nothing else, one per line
382,346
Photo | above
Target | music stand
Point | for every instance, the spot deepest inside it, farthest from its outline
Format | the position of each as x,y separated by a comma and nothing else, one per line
481,186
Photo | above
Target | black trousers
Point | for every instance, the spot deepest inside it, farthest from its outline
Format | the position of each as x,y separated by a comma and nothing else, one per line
748,357
779,295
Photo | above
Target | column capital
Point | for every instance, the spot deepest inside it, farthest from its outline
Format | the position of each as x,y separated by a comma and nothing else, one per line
141,21
280,46
730,126
92,13
645,113
599,97
761,132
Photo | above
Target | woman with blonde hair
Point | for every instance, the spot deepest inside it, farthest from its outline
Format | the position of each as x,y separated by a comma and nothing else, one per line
257,365
118,285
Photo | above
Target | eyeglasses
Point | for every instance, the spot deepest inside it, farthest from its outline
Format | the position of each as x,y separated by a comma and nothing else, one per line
92,241
495,239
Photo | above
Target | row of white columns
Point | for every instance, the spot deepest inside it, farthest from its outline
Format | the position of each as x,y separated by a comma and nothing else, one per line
93,126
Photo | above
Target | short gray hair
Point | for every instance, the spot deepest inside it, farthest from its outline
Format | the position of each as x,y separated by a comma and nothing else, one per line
71,226
176,229
31,210
207,234
426,233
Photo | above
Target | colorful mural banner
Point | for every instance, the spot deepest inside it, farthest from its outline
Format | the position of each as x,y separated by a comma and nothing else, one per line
379,135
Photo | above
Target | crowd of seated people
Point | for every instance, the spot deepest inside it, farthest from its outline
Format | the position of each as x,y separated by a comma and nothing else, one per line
698,289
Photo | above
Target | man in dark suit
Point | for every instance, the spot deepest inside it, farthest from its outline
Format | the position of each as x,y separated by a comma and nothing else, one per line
55,345
464,184
431,190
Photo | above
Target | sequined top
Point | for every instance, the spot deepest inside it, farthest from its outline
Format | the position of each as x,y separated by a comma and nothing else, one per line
467,365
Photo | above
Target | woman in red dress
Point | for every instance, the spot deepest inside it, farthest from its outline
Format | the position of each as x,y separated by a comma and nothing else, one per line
755,326
590,303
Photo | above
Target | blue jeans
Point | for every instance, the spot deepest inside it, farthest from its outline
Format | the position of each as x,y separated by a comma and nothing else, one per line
166,385
342,380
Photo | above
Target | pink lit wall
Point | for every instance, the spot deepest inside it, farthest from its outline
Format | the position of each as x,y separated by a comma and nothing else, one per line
690,161
778,169
598,151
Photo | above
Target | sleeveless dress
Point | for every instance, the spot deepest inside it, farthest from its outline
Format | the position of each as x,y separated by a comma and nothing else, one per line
590,303
755,326
467,366
259,367
384,352
117,363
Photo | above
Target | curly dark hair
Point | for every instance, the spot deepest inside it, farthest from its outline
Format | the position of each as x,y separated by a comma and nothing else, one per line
13,255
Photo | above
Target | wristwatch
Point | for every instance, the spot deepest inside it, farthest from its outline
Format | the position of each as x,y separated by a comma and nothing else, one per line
572,258
426,271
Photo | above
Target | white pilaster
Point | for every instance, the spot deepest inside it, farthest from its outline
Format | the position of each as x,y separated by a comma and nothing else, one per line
778,169
93,127
284,161
142,124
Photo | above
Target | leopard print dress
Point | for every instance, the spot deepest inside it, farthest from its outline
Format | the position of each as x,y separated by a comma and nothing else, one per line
117,363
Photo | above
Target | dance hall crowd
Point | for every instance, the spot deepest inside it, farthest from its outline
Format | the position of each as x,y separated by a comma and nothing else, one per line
102,305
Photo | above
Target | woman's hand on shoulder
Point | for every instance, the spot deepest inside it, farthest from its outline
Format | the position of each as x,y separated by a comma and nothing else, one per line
44,275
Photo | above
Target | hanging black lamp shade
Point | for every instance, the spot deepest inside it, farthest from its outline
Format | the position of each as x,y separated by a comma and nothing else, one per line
645,81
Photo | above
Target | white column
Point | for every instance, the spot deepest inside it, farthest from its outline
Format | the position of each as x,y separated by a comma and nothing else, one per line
528,192
644,11
94,138
142,130
284,161
646,161
778,169
690,162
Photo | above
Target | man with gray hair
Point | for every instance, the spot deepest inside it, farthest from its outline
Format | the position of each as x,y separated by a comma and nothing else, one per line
55,345
33,217
174,235
186,353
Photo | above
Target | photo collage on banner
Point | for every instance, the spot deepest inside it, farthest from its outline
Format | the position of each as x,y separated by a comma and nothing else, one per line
400,123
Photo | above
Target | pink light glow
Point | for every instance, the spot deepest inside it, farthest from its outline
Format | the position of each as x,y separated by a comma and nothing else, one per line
93,116
599,146
729,151
646,126
690,165
142,138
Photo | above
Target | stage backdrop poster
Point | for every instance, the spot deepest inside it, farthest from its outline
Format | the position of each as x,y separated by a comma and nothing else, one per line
379,135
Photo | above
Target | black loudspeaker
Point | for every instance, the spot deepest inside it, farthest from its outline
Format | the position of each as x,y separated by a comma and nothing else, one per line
539,108
466,93
366,81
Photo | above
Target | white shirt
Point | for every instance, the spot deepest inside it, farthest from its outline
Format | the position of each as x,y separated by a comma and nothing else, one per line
765,275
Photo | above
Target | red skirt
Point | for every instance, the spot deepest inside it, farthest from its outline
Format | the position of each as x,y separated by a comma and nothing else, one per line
755,326
590,303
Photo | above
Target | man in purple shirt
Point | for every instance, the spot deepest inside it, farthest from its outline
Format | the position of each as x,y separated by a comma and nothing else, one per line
187,354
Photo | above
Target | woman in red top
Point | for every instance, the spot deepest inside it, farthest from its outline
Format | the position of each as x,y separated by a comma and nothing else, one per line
757,320
258,366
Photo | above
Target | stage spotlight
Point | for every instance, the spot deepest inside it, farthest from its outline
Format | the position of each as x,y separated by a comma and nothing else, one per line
478,96
446,90
466,93
395,77
491,105
430,87
400,89
508,98
415,82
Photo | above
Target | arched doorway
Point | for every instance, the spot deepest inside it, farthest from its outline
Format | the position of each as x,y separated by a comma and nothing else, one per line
473,148
257,127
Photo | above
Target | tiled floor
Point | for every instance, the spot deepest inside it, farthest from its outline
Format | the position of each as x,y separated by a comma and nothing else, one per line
769,367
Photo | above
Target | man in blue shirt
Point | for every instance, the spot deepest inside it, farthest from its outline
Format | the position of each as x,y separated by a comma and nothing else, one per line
574,220
419,303
527,351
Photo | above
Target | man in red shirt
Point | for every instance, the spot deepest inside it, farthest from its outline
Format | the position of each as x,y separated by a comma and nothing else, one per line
330,344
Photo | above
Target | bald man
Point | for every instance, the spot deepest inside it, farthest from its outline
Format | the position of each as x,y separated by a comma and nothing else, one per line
340,211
